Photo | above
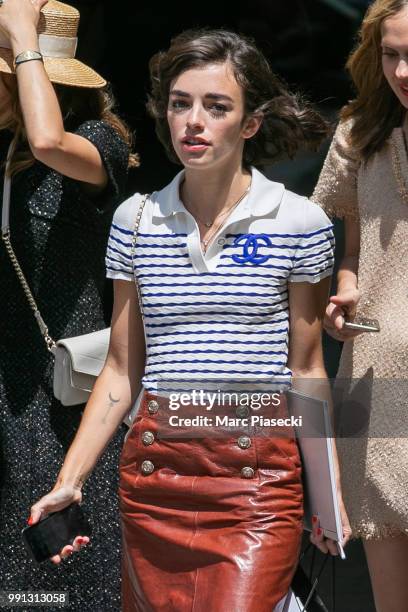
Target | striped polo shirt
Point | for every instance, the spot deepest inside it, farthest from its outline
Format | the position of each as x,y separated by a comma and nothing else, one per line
221,317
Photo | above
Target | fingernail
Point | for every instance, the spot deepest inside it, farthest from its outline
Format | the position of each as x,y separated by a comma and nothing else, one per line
319,531
314,519
30,521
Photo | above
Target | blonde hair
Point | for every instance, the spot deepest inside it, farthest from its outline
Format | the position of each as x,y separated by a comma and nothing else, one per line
77,106
376,110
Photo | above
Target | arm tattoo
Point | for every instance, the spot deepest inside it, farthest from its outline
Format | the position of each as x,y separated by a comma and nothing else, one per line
111,404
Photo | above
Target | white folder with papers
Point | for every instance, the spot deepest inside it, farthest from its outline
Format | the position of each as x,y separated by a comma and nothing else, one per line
315,442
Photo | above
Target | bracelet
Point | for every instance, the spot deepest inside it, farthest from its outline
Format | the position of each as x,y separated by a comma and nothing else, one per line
27,56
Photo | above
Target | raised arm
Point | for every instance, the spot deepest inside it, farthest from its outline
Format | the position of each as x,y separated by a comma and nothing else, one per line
67,153
112,397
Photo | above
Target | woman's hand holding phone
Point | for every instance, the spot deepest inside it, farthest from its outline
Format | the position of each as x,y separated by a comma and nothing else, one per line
58,499
341,307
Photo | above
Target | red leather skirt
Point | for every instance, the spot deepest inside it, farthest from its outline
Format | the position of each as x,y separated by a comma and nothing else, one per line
209,524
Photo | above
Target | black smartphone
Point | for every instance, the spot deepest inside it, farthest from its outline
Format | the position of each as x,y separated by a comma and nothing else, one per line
46,538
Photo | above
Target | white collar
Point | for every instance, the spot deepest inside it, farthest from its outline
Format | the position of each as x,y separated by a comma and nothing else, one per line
264,197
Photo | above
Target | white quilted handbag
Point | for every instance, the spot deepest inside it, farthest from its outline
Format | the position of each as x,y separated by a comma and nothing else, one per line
78,363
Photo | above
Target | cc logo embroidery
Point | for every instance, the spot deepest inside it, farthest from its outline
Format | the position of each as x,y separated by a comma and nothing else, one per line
250,244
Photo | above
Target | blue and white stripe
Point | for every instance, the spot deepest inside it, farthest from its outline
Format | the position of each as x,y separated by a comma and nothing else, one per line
227,327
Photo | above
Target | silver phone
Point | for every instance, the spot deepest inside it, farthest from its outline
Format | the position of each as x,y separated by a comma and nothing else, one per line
363,325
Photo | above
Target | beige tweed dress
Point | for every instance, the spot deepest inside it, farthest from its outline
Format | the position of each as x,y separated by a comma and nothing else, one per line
374,464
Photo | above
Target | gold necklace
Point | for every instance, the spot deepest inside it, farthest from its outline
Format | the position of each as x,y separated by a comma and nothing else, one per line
222,213
396,166
205,242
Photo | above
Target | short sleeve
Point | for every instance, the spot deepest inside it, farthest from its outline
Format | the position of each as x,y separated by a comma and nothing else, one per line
114,153
118,261
336,190
314,255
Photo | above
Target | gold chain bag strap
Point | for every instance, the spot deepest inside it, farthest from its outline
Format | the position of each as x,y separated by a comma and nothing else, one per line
5,234
80,359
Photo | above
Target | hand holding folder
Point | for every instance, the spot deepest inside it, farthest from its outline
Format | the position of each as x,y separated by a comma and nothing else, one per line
315,440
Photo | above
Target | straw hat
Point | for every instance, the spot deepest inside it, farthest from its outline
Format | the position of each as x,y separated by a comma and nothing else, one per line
57,29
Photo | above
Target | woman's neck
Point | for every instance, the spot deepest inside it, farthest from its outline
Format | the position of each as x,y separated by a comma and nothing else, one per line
208,193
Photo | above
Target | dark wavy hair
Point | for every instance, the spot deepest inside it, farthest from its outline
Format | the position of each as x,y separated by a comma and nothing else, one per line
288,125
